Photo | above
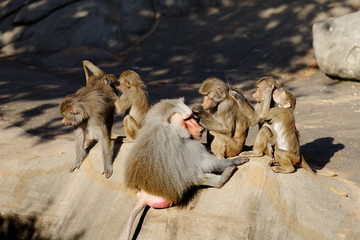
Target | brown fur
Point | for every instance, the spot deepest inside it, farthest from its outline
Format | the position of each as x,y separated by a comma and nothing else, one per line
286,136
91,109
225,122
134,102
165,162
261,85
98,75
264,135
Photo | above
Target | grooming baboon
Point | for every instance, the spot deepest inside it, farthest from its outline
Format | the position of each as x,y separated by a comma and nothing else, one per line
91,109
225,122
264,135
98,76
134,102
94,76
286,136
165,163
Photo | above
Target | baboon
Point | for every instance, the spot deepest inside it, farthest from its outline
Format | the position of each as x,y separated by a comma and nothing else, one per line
165,163
98,75
91,109
264,135
226,124
134,102
286,136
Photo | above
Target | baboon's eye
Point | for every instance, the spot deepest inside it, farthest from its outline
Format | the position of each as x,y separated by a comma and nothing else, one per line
188,118
74,112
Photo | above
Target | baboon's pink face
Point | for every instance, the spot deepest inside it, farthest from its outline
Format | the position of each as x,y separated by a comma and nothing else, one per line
208,103
188,122
258,95
194,128
66,121
121,87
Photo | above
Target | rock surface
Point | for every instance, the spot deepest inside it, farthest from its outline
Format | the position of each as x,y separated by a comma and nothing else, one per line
49,26
255,204
337,46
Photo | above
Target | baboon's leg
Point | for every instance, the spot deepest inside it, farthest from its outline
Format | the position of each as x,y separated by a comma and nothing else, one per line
262,138
285,161
131,128
80,150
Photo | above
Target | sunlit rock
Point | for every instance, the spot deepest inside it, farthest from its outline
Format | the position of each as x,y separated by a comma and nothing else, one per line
336,44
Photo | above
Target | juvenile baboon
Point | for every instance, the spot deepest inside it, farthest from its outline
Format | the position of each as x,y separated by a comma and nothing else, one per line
134,102
264,135
286,136
225,122
94,76
91,109
165,162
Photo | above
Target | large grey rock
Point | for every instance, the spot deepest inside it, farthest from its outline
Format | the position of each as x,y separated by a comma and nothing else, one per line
336,43
136,17
43,9
184,7
49,26
8,7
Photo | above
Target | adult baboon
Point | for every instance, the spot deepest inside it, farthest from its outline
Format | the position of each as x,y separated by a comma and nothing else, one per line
164,163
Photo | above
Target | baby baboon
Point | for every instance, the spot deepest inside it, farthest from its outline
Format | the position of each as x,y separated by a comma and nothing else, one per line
134,102
91,109
165,162
281,123
286,136
225,122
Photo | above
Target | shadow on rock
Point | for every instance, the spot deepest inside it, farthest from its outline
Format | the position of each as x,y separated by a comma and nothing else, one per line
320,151
15,226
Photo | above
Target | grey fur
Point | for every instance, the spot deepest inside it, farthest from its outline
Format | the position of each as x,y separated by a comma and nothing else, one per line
165,162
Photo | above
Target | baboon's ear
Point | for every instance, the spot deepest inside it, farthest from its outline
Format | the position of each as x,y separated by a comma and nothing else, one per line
287,105
220,94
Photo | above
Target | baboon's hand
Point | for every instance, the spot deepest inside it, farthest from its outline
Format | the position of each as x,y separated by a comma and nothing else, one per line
108,171
240,160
